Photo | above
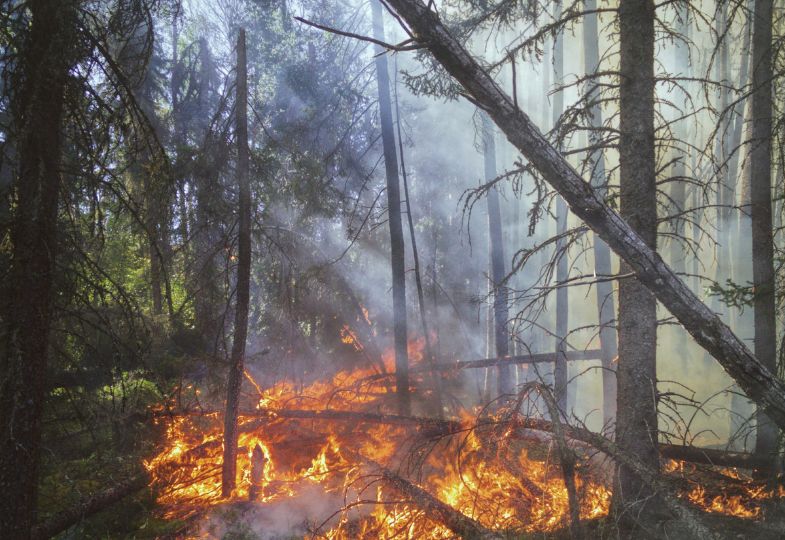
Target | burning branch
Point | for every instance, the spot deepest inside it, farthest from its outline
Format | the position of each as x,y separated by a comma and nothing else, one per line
566,455
435,509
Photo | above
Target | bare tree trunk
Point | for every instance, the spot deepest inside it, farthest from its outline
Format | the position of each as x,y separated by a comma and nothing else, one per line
703,325
725,185
498,288
560,374
602,255
741,260
763,277
429,354
42,75
397,254
229,469
636,418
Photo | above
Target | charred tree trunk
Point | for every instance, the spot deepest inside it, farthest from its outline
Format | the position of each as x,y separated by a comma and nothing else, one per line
229,469
704,326
38,104
499,290
763,277
394,214
602,254
636,418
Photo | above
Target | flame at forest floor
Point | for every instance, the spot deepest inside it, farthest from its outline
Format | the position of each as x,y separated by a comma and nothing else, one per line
505,483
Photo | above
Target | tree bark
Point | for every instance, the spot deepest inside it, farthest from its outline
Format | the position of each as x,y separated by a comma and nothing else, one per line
394,214
763,277
636,374
706,328
41,77
229,468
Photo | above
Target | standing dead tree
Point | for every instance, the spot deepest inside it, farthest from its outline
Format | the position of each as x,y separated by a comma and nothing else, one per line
229,470
394,215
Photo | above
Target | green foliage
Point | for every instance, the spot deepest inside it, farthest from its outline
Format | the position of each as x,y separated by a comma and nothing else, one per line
733,294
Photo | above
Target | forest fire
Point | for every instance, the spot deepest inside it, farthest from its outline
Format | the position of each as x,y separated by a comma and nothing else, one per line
215,216
330,436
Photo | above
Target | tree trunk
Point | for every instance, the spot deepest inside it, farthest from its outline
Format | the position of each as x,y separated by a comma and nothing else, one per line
725,186
562,293
394,214
430,358
636,418
229,469
741,258
498,288
602,255
763,277
38,104
704,326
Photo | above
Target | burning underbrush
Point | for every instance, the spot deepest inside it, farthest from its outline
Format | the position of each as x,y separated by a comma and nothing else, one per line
327,461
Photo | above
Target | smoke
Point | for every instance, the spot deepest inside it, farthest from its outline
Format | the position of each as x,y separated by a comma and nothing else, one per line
294,516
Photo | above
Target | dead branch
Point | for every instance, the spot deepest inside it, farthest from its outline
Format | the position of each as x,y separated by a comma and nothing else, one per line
566,456
711,456
591,354
463,526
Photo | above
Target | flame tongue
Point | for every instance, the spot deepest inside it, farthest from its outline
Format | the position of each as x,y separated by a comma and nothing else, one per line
487,476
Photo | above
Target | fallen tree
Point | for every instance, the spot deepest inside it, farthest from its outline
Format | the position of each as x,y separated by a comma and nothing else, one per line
708,330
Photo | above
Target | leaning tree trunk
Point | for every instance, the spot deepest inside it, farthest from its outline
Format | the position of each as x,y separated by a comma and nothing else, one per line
602,255
763,277
498,288
229,470
636,417
394,214
38,104
708,330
